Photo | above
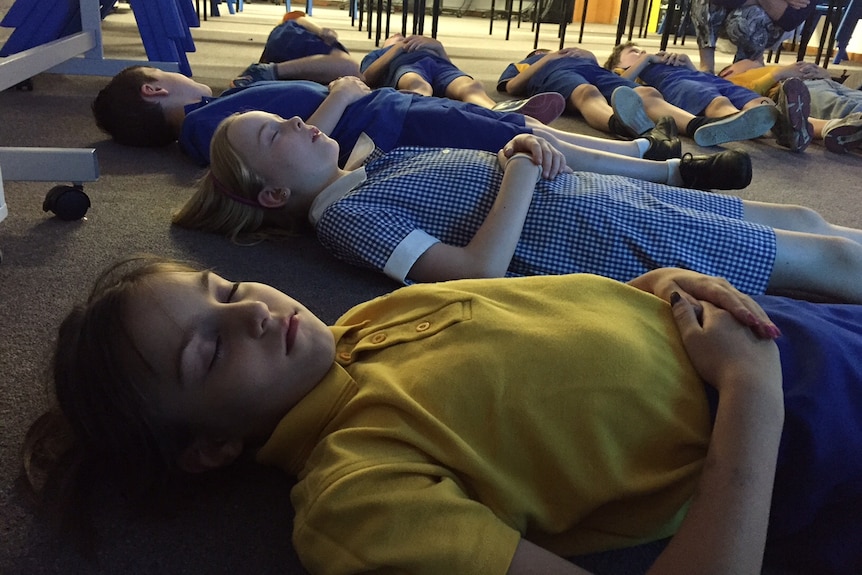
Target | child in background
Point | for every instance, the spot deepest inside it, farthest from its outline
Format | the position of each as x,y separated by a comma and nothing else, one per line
835,109
421,65
431,214
591,90
300,49
680,83
144,106
433,430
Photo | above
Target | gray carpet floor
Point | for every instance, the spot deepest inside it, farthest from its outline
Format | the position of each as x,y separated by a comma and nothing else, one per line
239,522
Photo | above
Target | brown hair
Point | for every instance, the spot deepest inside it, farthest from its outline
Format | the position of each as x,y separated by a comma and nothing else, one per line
121,111
214,206
614,59
105,427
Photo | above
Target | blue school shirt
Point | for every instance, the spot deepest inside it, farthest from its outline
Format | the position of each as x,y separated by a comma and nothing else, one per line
381,114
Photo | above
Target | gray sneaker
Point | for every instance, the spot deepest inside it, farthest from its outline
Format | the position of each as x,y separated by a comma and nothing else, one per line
843,134
629,113
792,129
744,125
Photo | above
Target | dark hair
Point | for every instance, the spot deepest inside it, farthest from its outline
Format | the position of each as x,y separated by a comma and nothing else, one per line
614,59
106,427
126,116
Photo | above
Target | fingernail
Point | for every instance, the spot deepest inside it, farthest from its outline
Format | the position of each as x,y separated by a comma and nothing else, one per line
674,298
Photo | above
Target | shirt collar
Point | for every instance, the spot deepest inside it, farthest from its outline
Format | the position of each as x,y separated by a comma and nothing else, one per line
300,429
340,187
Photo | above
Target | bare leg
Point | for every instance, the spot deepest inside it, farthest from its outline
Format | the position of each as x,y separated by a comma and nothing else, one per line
415,83
719,108
707,60
656,107
818,125
581,158
797,219
558,137
595,109
469,90
823,265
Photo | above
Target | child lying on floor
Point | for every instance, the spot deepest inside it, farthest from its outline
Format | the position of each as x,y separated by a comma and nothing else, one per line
487,426
431,214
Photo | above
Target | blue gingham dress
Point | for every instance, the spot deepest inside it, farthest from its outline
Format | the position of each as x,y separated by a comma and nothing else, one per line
612,226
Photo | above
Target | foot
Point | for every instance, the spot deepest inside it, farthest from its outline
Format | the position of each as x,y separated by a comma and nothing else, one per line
663,140
728,170
792,129
744,125
629,119
843,134
545,107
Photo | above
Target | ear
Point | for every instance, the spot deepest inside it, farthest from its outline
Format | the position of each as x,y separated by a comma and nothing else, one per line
149,90
205,455
273,197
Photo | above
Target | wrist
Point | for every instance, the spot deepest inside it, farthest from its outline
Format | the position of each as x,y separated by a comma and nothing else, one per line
525,159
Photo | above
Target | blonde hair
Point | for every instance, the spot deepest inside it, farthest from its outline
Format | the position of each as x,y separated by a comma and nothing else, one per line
225,198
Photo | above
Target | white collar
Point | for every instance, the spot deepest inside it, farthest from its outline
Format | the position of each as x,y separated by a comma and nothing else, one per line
340,187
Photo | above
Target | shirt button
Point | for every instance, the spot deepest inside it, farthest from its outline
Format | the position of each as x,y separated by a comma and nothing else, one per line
378,337
445,150
345,355
423,326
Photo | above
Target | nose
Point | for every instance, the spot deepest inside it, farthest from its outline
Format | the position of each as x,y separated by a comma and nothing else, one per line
249,318
296,123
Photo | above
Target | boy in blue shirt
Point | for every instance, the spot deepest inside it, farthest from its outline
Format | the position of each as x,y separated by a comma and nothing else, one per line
421,65
589,90
683,85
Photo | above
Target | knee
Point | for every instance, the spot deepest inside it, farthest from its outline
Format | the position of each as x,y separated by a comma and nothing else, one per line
584,93
808,220
648,93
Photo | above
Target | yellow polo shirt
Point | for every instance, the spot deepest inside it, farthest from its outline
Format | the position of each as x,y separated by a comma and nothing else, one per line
461,416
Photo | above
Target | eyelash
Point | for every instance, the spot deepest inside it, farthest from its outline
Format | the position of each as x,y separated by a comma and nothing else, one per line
217,354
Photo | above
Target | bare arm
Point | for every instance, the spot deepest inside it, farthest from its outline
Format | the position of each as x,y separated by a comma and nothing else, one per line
530,559
725,528
342,93
376,72
321,68
416,42
490,250
644,60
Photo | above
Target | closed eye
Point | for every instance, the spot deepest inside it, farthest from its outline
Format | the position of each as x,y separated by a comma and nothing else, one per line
218,350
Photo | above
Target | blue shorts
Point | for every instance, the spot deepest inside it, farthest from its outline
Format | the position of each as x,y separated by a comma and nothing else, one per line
566,74
289,41
439,73
692,90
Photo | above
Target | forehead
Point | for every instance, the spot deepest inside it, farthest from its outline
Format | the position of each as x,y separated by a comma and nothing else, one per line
158,316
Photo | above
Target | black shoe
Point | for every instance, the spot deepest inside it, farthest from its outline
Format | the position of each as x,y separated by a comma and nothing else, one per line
729,170
664,142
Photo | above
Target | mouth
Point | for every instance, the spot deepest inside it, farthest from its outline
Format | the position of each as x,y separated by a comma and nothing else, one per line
315,134
290,331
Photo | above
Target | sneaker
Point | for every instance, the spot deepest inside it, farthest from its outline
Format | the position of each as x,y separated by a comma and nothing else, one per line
629,119
843,134
545,107
792,129
663,140
255,73
728,170
744,125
